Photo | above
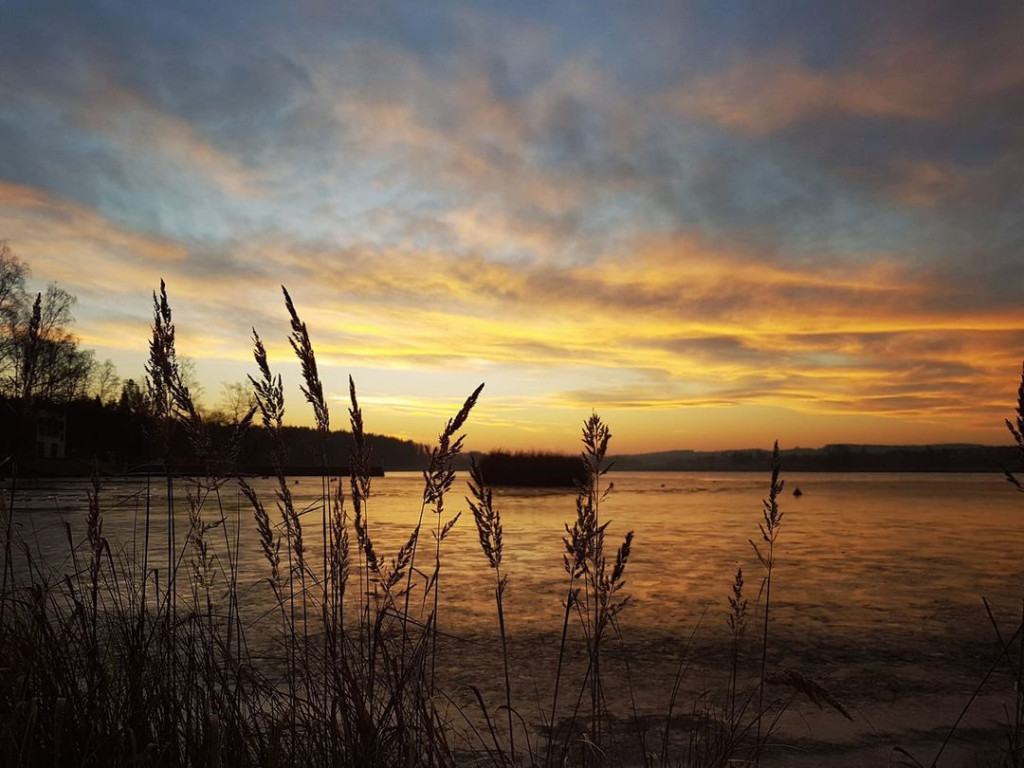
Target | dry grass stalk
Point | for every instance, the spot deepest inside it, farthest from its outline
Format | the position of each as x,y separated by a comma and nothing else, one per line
168,392
438,478
737,622
312,387
313,390
769,526
269,392
270,543
340,551
1016,428
593,589
490,534
360,487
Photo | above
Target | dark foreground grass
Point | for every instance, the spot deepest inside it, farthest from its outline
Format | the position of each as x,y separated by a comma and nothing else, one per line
110,659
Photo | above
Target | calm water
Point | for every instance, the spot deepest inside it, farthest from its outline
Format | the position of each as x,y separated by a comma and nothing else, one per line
877,590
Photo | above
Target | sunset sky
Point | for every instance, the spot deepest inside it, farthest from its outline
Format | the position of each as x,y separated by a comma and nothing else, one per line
716,223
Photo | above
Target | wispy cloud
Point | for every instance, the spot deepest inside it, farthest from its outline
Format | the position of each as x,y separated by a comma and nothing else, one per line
926,75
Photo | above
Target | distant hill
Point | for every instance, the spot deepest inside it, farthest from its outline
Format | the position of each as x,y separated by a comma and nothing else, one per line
839,457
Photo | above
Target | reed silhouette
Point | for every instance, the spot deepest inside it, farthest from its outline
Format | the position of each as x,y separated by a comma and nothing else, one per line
144,652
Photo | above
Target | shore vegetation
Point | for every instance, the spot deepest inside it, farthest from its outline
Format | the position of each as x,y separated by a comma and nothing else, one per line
145,653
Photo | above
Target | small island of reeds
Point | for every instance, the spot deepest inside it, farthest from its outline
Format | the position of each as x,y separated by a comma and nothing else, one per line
532,469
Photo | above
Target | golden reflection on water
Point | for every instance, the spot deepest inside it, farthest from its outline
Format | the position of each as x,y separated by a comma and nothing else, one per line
877,588
858,552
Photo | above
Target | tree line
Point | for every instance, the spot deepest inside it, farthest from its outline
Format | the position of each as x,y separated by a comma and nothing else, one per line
113,422
43,361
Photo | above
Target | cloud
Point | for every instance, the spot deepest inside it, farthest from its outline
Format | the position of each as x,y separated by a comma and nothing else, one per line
921,77
137,127
62,236
683,325
676,323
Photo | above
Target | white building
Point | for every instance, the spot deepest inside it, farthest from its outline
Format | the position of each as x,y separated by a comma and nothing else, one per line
51,434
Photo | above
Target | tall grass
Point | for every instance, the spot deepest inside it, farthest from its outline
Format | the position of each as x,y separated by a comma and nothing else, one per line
148,653
769,526
489,530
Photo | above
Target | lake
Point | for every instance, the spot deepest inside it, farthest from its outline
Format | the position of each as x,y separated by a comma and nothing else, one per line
877,591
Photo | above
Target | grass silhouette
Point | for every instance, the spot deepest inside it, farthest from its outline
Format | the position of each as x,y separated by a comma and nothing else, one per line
113,659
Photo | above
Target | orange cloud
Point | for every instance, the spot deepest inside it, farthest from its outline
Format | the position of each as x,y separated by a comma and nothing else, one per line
59,238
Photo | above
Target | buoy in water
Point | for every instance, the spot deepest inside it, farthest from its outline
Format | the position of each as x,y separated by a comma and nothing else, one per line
797,491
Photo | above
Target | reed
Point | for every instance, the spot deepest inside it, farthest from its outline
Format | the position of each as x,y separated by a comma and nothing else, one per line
153,656
489,531
737,621
769,526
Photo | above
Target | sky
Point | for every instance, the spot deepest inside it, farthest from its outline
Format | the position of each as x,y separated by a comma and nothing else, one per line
714,223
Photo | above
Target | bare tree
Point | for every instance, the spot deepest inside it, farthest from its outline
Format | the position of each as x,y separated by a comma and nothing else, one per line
12,278
12,300
236,400
106,384
44,357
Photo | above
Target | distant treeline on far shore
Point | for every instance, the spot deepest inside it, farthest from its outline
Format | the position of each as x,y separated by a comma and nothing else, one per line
120,436
78,437
955,457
